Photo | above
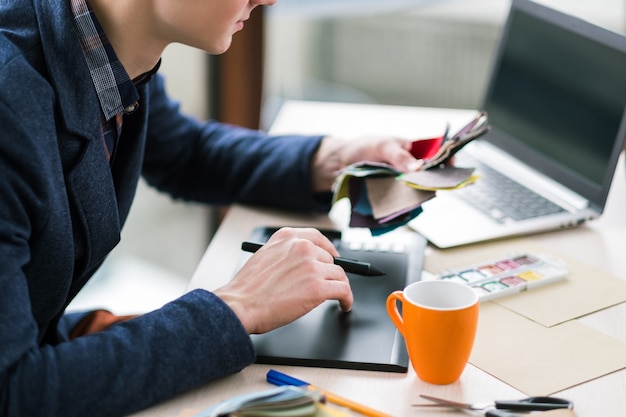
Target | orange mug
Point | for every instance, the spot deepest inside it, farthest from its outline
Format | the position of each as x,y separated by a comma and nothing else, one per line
438,322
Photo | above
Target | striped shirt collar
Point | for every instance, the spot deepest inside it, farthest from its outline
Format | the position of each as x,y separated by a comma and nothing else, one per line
116,91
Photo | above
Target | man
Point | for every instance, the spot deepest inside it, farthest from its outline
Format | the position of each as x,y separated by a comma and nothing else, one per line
83,116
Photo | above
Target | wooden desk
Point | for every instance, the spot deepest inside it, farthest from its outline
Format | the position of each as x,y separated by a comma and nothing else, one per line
600,244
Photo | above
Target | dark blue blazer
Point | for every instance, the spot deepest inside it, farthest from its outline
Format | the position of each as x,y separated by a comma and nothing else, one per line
62,206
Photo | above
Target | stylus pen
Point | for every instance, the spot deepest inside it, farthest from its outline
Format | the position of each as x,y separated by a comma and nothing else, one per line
278,378
348,265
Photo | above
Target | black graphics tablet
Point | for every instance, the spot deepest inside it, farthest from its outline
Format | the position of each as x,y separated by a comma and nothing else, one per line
365,338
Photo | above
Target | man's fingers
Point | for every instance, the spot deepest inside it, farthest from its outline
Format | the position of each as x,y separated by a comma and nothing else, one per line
339,289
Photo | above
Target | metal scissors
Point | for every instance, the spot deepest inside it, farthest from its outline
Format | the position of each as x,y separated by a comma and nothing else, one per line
502,408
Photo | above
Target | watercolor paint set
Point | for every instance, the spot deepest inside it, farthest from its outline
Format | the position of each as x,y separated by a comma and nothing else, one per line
508,275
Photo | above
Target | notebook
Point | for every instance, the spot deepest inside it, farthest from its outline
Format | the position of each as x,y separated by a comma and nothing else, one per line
556,102
363,339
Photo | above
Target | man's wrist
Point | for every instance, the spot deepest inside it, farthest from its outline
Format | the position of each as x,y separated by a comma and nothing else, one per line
326,164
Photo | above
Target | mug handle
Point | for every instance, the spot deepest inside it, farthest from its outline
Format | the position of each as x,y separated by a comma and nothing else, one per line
392,310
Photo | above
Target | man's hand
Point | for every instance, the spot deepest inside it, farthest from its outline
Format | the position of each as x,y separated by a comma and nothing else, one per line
335,154
285,279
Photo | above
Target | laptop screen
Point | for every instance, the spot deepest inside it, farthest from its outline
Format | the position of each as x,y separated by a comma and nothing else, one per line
557,97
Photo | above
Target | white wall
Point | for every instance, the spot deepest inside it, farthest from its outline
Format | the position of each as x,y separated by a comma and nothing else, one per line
186,71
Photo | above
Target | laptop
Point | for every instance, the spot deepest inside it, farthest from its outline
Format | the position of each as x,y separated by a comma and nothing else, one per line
363,339
556,102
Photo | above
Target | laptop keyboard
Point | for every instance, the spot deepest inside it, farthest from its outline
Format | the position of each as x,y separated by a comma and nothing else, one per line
504,199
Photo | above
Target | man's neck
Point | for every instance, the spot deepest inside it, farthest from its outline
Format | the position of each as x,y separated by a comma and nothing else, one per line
134,43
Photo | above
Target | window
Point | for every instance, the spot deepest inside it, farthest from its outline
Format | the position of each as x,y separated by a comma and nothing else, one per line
434,53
